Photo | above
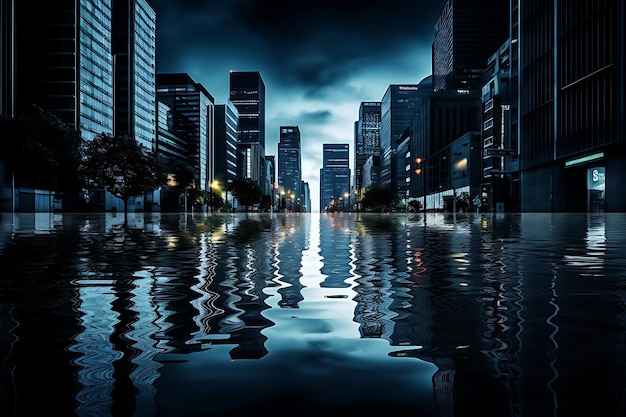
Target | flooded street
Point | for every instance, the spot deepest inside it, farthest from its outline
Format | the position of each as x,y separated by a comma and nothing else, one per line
337,314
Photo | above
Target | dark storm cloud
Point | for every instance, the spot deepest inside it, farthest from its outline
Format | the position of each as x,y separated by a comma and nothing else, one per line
315,45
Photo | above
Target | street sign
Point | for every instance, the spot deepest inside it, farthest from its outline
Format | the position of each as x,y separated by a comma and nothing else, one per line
499,152
476,201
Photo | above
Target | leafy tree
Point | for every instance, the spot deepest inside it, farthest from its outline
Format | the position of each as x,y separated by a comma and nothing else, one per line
122,166
377,198
183,177
246,191
40,150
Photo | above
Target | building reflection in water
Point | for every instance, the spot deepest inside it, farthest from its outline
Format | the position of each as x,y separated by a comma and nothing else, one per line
524,313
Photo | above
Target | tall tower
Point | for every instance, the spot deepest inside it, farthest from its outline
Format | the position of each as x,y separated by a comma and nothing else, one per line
397,108
247,93
290,164
134,46
335,177
226,126
191,99
66,65
366,138
466,35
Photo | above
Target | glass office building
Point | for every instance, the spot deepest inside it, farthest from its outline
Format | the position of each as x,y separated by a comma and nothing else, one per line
182,94
290,164
135,66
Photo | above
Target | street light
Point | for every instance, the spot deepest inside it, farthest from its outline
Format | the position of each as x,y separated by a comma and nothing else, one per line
418,171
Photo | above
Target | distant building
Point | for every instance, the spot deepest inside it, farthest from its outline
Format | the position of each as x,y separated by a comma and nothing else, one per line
335,177
366,139
290,167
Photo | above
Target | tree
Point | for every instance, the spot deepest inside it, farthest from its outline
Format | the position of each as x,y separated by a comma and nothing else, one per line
40,151
378,198
246,191
182,177
122,166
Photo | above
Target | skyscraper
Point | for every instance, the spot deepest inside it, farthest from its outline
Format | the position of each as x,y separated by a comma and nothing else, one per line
66,65
192,100
226,126
466,34
247,93
397,108
366,138
290,165
335,177
134,62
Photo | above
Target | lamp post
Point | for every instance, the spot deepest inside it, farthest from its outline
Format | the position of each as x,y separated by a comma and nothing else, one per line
347,195
419,171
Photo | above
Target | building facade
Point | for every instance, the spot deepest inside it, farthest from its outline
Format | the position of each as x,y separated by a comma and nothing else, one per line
290,166
397,108
335,177
247,93
571,106
466,34
226,127
134,71
366,139
192,100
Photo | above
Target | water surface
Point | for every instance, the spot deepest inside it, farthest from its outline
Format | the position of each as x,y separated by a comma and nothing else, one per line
338,314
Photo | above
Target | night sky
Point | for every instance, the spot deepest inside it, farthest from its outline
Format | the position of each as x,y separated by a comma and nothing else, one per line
319,60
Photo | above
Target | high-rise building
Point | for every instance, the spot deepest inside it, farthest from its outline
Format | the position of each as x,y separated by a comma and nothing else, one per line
366,138
397,108
335,177
226,126
66,65
134,74
191,99
247,93
290,166
572,130
466,34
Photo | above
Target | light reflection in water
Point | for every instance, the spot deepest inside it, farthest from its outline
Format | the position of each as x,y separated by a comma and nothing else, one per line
207,313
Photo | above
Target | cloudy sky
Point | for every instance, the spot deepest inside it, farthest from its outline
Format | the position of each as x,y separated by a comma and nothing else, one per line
319,59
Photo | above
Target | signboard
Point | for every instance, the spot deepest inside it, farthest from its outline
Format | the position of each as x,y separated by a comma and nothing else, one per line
499,152
595,178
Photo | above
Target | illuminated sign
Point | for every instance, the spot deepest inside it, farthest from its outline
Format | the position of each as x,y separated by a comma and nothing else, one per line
583,159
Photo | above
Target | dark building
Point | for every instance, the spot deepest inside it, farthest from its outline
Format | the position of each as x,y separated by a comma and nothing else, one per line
443,117
66,65
397,108
366,139
466,34
335,177
290,168
186,97
571,106
134,70
90,67
500,189
247,93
